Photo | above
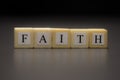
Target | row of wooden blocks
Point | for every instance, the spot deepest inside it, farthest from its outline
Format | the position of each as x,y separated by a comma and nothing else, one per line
60,38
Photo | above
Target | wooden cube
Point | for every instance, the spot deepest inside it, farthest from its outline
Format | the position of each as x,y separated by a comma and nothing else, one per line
23,38
42,38
98,38
79,38
61,38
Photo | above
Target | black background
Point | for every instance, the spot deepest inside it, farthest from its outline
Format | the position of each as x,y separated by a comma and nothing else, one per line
44,7
59,64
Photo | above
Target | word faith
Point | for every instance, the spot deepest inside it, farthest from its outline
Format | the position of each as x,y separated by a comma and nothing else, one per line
60,38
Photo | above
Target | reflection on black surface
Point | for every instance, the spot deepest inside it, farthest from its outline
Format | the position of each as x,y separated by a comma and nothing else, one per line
61,56
61,63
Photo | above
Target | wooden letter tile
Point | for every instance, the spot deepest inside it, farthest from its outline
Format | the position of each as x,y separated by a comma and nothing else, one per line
98,38
61,38
23,38
79,38
42,38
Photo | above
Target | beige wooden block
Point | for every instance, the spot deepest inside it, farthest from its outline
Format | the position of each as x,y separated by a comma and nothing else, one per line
98,38
79,38
23,38
42,37
61,38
